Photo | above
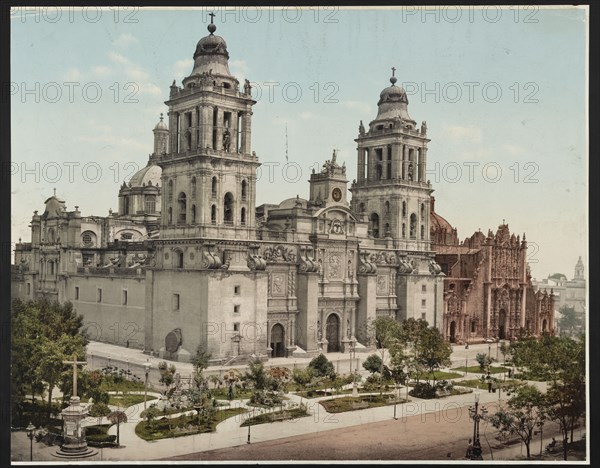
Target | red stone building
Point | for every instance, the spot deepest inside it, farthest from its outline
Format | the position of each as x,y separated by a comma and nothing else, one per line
487,289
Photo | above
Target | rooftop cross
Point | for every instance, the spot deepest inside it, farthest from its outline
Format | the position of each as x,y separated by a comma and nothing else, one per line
75,362
212,16
393,71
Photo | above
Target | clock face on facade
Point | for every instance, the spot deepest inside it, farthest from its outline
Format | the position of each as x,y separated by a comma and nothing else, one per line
336,194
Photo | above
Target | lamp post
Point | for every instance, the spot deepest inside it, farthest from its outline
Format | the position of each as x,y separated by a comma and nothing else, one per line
476,415
490,351
30,430
147,367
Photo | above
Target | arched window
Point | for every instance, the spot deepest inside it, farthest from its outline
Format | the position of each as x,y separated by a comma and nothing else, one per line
422,232
386,207
244,189
170,190
193,214
170,216
379,172
193,187
422,211
126,204
228,208
188,140
51,267
413,226
51,235
404,230
404,209
213,214
375,225
388,231
182,202
243,216
214,187
150,204
362,207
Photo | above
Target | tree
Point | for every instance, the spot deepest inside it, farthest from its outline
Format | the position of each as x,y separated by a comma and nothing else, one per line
373,363
44,334
570,322
504,350
524,412
98,410
322,367
483,360
167,375
561,361
302,377
433,351
117,417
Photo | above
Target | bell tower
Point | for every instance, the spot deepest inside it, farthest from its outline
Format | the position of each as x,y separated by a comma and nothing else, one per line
209,170
391,190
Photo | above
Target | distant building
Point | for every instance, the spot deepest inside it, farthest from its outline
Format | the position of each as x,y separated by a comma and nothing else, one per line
570,293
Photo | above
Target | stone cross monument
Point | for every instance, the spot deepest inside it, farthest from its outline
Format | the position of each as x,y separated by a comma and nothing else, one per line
75,445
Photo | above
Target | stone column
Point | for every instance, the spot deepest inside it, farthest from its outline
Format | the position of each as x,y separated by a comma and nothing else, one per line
194,129
247,133
423,168
360,176
405,162
369,164
396,164
219,127
173,130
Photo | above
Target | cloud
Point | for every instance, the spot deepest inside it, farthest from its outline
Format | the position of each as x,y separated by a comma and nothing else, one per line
182,68
239,69
101,70
458,133
363,107
151,88
72,74
126,39
306,115
118,58
514,150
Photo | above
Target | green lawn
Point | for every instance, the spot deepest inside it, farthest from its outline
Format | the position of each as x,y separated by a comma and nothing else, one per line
165,428
477,383
276,416
128,400
342,404
477,369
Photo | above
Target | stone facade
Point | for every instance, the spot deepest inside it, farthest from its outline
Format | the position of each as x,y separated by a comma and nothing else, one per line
190,261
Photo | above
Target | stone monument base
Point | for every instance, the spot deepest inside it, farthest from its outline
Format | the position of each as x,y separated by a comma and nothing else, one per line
74,454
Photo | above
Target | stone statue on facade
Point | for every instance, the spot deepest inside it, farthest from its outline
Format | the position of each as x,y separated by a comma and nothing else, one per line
361,129
226,140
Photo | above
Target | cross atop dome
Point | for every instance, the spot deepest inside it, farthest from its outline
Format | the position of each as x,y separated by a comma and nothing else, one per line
393,79
211,27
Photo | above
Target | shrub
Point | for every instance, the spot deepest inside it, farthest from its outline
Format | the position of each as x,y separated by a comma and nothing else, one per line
423,390
373,363
483,360
322,367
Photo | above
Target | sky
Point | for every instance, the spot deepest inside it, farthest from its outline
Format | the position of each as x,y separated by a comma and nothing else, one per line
503,91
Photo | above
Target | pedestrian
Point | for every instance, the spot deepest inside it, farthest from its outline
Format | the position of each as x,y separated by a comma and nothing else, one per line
489,382
469,449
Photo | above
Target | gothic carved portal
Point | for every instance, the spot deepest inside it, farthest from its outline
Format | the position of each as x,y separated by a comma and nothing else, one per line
332,333
502,324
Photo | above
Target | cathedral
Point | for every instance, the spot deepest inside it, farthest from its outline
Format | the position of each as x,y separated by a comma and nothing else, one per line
189,261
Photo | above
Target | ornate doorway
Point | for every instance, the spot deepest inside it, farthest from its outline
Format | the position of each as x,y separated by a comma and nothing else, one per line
544,325
502,324
452,331
332,333
278,340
